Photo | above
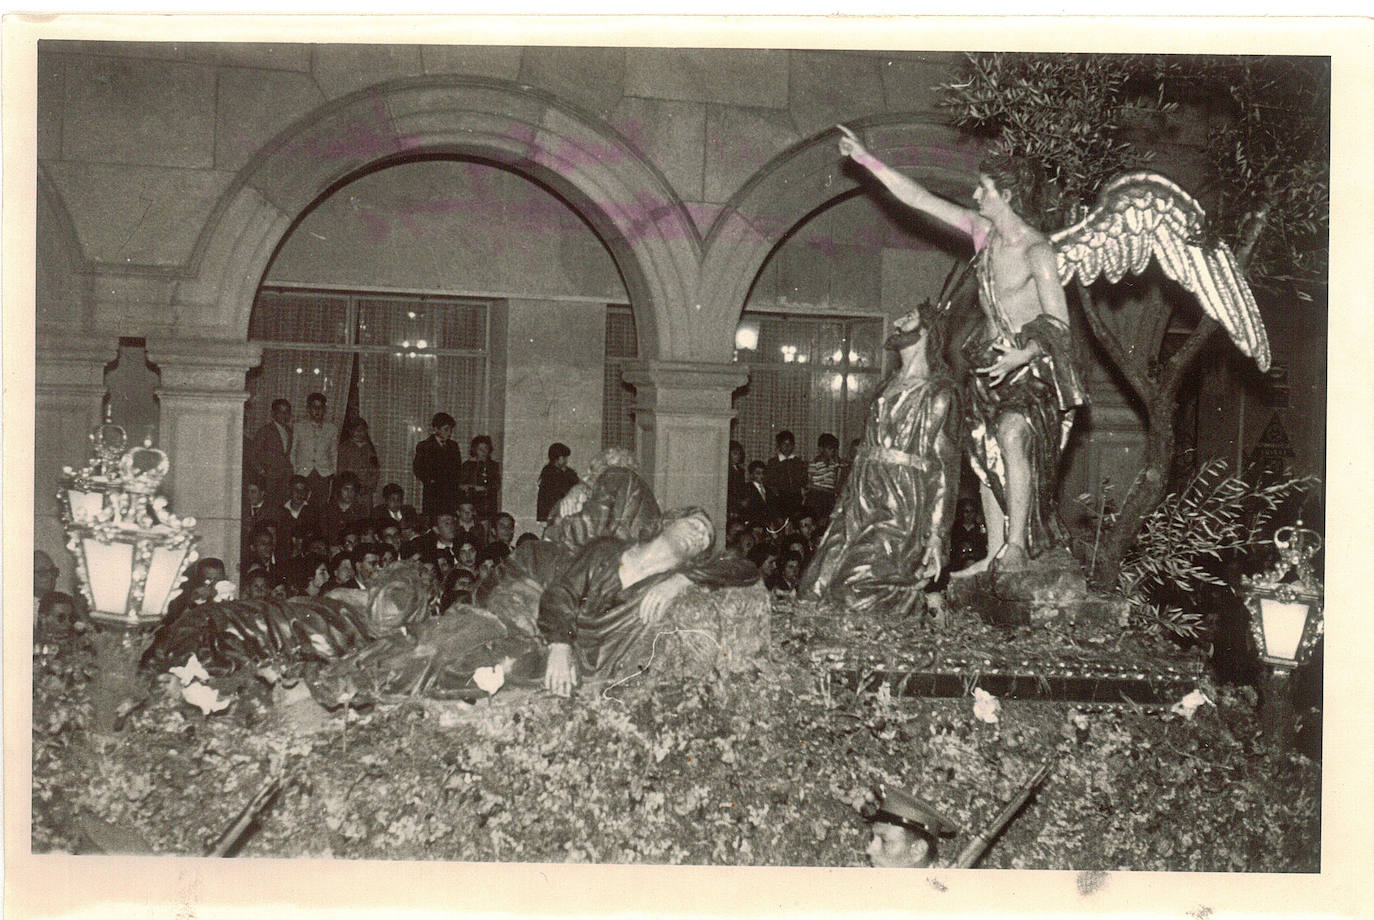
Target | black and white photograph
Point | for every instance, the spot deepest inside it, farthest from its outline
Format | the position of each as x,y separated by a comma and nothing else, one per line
458,452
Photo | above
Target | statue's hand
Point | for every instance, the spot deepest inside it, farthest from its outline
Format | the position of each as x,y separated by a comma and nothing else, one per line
657,599
559,674
851,146
1010,360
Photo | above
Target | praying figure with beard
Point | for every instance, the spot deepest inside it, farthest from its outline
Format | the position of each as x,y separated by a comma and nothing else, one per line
889,534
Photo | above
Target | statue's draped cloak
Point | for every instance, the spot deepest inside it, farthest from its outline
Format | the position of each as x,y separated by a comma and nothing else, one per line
899,500
586,606
1045,392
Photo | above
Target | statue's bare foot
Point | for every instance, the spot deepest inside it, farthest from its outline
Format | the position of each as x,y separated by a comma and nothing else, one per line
1012,558
973,568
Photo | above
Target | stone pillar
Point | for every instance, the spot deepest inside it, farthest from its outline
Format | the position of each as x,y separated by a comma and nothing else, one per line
200,423
69,376
682,414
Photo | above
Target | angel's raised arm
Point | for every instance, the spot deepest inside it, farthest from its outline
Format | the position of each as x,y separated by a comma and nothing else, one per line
910,192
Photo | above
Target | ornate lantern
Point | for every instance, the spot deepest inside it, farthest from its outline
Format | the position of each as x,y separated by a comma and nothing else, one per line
1286,602
131,552
83,491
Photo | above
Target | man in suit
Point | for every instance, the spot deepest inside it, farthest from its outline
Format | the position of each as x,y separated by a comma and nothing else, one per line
262,552
257,512
296,515
470,527
754,506
503,533
343,510
439,540
438,459
268,455
315,450
393,511
737,488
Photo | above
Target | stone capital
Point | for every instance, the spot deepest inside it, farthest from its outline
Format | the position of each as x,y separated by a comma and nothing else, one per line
64,362
202,366
685,387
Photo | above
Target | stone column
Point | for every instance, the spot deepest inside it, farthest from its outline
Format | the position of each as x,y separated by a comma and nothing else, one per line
682,414
69,376
200,423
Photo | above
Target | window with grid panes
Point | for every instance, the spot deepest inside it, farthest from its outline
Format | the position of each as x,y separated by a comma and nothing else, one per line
617,417
393,359
809,374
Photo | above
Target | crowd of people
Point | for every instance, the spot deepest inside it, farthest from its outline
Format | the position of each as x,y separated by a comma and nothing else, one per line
778,509
314,518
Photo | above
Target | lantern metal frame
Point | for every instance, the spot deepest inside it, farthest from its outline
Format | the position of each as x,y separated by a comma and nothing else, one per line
1291,582
131,552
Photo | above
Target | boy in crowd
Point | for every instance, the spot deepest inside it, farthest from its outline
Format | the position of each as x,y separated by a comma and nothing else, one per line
822,477
784,476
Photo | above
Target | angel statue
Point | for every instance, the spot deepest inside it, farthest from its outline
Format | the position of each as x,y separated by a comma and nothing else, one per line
1023,391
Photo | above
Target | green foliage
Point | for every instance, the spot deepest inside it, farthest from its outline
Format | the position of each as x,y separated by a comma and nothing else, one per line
1272,152
1214,517
1081,119
1068,115
768,768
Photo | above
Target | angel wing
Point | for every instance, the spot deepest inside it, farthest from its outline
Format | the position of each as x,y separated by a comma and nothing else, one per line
1142,215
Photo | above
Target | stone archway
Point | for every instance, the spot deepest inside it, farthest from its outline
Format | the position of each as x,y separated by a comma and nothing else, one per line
798,182
629,203
202,360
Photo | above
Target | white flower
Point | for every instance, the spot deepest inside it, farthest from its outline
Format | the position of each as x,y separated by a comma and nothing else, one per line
204,697
1189,704
1080,721
489,679
192,671
226,591
985,705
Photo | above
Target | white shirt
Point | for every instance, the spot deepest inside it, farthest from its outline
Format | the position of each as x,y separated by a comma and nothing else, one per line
285,435
316,447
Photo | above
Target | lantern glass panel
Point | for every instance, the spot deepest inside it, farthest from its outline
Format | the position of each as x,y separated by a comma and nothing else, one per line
1283,623
110,568
85,504
162,577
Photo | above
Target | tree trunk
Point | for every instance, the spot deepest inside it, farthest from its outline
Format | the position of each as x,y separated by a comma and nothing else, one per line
1160,440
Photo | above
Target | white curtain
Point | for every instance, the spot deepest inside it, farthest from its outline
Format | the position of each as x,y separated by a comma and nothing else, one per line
406,368
807,374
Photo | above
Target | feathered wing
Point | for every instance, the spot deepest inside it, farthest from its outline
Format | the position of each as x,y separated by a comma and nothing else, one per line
1142,215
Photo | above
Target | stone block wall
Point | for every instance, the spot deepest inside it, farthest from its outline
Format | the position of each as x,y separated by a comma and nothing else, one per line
148,151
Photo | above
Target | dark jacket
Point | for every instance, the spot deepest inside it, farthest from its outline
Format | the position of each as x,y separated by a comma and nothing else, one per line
785,480
426,546
479,482
554,483
269,462
410,518
436,465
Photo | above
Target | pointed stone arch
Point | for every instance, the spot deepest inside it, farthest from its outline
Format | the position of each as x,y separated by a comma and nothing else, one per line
622,196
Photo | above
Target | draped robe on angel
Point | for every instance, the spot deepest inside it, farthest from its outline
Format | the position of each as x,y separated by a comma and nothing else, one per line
897,503
1045,392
